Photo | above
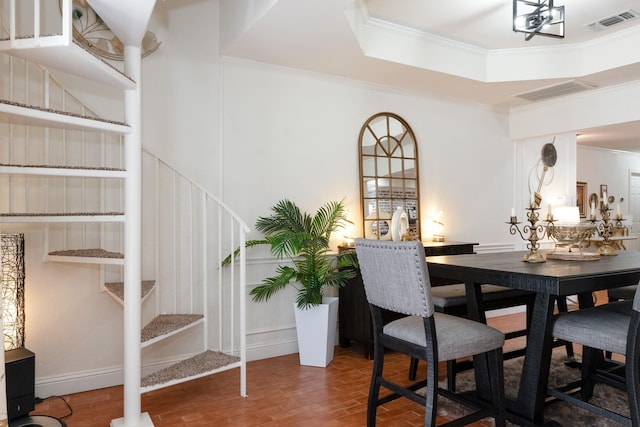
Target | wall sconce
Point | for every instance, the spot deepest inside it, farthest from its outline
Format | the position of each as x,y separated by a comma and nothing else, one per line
438,227
538,17
12,252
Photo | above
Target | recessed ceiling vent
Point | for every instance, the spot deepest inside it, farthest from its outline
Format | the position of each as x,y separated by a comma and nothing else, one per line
560,89
618,18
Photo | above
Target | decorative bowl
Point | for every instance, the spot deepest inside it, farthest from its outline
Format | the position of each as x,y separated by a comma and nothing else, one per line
571,235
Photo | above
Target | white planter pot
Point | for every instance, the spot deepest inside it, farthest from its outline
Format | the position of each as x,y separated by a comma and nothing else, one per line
316,329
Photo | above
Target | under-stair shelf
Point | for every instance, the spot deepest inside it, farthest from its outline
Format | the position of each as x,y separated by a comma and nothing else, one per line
116,290
87,256
62,217
198,366
22,114
53,52
167,325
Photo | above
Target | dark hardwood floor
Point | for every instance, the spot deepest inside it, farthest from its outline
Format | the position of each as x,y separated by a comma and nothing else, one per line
280,393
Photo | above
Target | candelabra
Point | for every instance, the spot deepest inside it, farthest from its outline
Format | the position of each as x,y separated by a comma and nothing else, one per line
533,229
605,229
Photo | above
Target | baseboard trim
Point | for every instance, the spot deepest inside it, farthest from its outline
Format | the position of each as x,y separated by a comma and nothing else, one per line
77,382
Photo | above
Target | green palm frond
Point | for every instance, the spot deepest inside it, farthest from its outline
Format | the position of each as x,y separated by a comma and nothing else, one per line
247,244
304,239
271,285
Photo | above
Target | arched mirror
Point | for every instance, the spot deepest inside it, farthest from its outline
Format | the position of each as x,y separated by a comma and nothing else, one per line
389,188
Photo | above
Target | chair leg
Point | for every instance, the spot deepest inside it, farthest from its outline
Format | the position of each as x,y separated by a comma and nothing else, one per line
374,388
451,375
431,393
562,308
413,368
497,386
588,370
633,389
632,373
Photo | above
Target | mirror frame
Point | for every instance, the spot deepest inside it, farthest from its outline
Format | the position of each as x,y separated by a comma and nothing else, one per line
388,148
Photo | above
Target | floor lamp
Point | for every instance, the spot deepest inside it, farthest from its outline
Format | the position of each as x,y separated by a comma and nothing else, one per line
19,362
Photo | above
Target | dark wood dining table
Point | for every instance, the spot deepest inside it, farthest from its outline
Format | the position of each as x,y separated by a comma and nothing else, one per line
549,280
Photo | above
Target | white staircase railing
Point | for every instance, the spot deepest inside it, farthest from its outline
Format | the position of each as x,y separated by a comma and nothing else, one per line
195,232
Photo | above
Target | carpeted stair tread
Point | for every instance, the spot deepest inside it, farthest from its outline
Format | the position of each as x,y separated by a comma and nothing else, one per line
117,288
88,253
97,168
192,367
167,323
53,214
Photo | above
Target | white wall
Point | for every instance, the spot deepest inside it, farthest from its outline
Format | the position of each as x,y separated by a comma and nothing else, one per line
181,90
293,134
597,166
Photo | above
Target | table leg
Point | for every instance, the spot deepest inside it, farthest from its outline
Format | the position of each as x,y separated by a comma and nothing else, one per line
535,372
475,310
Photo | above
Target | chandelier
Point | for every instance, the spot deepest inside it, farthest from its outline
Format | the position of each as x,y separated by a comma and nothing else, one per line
538,18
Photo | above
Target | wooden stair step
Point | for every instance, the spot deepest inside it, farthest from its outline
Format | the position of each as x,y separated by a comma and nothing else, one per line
166,325
116,289
200,365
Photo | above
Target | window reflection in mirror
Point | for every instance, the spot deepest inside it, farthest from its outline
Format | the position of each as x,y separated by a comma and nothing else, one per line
389,187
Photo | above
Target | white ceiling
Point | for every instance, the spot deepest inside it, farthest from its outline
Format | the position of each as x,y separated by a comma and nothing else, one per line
453,48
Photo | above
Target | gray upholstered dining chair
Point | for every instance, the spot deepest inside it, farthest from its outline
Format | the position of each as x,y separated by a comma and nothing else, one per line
612,327
451,299
396,278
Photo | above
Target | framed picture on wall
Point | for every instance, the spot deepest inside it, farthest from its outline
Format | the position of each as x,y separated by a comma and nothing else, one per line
581,198
603,190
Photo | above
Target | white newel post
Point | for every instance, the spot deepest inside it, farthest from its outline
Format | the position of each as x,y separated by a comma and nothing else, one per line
133,241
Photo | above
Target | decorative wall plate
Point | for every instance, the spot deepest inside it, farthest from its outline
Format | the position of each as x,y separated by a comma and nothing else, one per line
90,31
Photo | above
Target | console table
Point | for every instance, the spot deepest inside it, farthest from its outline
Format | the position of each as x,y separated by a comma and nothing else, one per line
354,317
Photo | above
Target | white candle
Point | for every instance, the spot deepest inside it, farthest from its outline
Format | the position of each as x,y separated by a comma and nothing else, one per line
618,209
605,202
593,208
513,212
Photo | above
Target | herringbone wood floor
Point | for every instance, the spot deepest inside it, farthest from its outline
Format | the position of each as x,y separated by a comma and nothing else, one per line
281,393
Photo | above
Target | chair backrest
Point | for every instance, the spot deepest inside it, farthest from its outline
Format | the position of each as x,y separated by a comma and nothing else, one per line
395,276
636,299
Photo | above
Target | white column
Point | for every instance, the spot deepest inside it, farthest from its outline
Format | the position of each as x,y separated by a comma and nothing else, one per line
132,246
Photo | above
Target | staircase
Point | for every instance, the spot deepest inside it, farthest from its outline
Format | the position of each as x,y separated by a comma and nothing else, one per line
89,182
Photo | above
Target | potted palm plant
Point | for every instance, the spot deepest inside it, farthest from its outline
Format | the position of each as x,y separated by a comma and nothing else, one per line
304,240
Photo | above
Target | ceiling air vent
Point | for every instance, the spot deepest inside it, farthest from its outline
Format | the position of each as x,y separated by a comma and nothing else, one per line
560,89
601,24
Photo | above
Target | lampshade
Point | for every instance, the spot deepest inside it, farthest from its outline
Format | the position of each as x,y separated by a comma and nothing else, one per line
566,215
12,255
